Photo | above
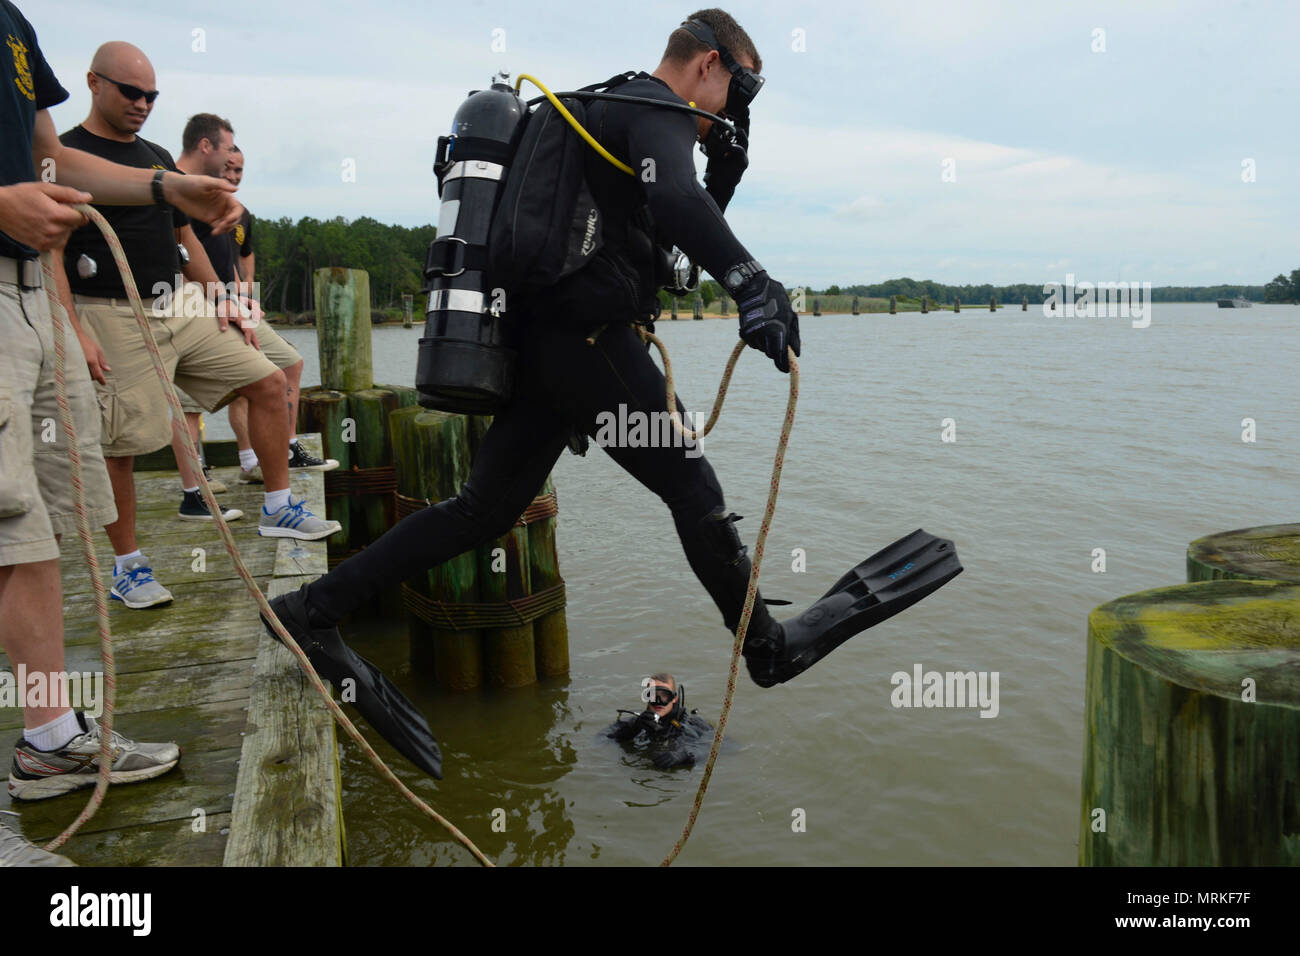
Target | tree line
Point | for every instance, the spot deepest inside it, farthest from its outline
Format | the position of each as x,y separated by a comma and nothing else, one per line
289,253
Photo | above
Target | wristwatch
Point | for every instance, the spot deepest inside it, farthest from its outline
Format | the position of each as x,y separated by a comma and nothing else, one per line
156,186
739,274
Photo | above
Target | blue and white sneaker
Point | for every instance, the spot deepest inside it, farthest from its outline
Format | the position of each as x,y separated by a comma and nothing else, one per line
295,521
135,586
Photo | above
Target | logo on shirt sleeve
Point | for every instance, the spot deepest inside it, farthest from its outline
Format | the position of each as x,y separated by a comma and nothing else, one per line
21,67
239,234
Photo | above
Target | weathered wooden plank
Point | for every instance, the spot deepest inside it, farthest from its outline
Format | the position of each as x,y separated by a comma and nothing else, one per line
287,806
201,781
169,843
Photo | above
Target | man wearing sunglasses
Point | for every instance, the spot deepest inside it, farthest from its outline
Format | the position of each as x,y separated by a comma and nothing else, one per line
57,752
672,734
208,348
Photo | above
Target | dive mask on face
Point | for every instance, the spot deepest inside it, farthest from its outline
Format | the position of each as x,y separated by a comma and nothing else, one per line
745,83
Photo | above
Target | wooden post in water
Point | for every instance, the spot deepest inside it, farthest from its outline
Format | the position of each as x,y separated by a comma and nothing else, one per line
509,657
372,515
698,305
893,305
1270,553
343,328
993,303
925,304
1192,717
855,305
550,631
325,410
408,305
1024,303
432,458
674,312
817,306
956,305
722,305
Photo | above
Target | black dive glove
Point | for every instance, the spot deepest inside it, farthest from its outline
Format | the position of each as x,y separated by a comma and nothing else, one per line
728,158
767,322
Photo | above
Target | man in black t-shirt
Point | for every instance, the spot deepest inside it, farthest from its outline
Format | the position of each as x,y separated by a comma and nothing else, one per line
242,234
57,752
207,147
190,322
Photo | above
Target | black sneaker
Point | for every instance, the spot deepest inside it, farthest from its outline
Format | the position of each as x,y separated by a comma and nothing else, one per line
298,458
194,508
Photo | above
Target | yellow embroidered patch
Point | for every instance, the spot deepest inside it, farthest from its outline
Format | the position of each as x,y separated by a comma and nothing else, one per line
24,78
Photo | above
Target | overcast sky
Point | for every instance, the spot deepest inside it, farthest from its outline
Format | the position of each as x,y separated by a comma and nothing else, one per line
1117,163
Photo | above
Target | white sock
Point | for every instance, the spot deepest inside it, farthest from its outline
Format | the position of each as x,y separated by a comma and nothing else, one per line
293,439
55,734
247,459
121,559
191,491
275,500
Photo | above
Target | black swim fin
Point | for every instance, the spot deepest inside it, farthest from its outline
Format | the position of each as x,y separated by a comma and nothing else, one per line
390,712
891,580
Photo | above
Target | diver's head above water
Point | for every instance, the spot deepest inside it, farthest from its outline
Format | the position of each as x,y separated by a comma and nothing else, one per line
666,698
710,61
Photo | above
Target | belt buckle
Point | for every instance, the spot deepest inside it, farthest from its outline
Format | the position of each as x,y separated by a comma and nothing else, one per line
29,273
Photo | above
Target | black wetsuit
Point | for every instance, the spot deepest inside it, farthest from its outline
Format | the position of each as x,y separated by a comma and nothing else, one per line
563,382
677,740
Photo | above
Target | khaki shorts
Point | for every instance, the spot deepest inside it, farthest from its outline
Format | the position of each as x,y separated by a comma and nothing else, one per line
201,359
37,500
280,352
276,348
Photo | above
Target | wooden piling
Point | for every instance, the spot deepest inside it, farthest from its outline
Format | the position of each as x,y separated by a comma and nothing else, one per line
855,305
817,306
1192,744
550,631
925,304
1270,553
431,454
343,328
956,305
699,307
326,411
893,305
408,306
372,514
993,303
1024,303
674,308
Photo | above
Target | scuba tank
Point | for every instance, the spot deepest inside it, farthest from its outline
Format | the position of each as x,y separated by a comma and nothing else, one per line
466,364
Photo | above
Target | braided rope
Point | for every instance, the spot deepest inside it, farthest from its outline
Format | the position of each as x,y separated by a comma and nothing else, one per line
760,546
192,455
106,752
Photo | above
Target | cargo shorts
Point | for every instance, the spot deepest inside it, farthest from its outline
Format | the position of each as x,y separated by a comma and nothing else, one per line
273,346
209,364
37,500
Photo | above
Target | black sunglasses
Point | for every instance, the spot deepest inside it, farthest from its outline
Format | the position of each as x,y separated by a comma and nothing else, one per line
132,93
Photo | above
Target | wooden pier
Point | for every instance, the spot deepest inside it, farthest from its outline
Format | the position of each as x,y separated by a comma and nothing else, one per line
260,754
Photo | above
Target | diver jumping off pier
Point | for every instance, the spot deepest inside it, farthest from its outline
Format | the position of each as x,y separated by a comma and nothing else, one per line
573,353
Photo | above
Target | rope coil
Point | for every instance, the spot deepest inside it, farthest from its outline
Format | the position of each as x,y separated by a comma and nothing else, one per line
356,482
512,612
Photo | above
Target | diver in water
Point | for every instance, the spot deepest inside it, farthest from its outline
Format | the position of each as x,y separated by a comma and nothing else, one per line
673,733
580,357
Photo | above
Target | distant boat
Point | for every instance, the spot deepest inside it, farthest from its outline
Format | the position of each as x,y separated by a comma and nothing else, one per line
1234,303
